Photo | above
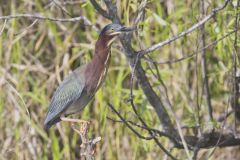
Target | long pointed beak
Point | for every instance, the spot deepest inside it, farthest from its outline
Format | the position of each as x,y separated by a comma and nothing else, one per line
127,29
124,29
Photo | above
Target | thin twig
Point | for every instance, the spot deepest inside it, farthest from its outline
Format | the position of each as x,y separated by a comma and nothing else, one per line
192,54
100,10
195,153
157,132
138,134
225,115
197,115
221,133
189,30
27,28
140,13
112,10
204,64
185,145
73,2
64,10
40,17
3,27
127,124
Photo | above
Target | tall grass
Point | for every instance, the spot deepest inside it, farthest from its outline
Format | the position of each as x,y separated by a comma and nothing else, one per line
34,61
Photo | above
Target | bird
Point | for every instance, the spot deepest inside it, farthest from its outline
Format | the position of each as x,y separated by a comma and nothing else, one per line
80,86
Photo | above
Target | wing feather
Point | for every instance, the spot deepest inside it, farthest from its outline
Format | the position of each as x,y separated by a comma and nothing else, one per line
67,93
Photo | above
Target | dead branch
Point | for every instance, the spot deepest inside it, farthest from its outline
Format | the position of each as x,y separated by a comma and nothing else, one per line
204,64
139,135
194,53
40,17
189,30
100,10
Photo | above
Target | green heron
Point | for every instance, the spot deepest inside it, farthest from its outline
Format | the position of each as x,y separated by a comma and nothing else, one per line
74,93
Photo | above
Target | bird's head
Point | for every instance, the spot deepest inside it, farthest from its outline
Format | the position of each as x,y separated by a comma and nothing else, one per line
111,31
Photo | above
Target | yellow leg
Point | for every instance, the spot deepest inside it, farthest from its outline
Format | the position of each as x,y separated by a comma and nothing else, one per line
73,120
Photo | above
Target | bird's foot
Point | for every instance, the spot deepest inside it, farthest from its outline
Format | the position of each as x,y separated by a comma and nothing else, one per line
73,120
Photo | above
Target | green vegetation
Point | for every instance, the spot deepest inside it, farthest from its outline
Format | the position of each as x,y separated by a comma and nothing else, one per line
34,60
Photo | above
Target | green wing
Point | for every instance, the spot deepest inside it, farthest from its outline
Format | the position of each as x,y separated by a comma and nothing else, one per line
67,93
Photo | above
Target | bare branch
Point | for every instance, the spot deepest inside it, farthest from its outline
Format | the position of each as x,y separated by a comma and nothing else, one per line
189,30
139,135
212,140
3,27
225,116
170,108
195,153
129,126
192,54
28,27
235,83
64,10
73,2
112,9
141,12
100,10
40,17
157,132
151,95
204,64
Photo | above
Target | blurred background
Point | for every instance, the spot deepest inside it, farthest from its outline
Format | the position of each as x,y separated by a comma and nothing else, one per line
36,55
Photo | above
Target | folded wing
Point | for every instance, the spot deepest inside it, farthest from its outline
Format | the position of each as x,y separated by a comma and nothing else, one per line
66,94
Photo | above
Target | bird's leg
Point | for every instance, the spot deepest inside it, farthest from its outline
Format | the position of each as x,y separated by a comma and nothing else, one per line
73,120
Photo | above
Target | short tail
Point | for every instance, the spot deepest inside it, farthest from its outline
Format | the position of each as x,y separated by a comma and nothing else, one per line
49,123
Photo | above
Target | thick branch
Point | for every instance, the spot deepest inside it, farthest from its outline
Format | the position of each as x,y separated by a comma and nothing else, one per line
151,95
191,29
212,140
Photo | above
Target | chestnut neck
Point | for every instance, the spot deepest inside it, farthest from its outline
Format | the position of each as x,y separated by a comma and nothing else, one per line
97,66
102,49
